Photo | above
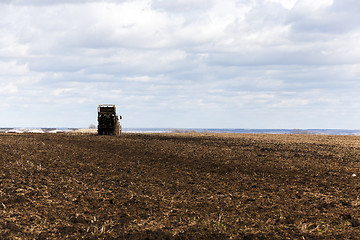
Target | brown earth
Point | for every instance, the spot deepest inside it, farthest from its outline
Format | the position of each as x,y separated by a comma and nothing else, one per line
179,186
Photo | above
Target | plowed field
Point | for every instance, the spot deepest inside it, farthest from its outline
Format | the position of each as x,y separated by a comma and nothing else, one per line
179,186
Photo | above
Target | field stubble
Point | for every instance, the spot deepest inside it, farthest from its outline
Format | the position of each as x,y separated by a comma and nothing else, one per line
179,186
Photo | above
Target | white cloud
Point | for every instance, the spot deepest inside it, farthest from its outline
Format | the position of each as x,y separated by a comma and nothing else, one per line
182,6
8,89
200,62
288,4
54,2
309,5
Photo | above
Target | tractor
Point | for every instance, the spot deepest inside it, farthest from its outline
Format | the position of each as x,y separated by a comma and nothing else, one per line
108,121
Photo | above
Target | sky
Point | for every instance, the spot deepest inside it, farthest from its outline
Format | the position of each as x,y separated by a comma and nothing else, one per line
181,63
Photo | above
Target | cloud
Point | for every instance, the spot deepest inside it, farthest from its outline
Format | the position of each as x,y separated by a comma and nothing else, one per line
182,6
53,2
181,63
327,18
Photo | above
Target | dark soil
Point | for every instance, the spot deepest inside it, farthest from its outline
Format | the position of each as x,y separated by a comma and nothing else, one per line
179,186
